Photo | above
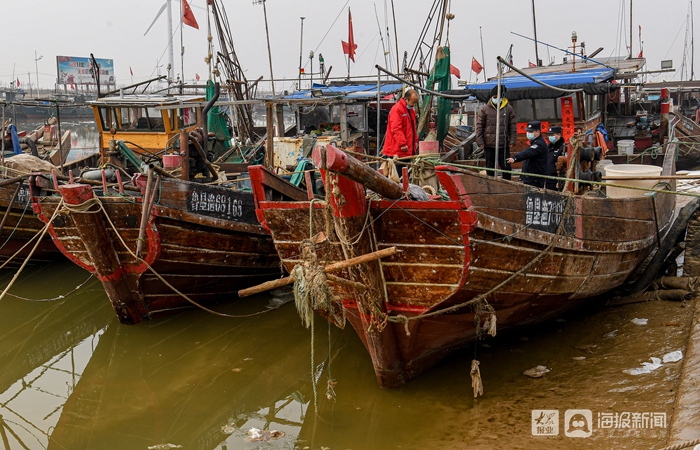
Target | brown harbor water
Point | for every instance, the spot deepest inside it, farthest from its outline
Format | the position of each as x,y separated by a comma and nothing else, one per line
74,378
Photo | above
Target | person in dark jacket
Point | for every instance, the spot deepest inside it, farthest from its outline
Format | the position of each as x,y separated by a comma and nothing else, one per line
535,156
557,148
486,131
401,136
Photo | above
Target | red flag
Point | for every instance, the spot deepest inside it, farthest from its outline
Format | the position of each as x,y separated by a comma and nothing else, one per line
72,86
196,76
455,71
301,70
131,71
349,47
641,54
531,64
476,67
17,82
188,15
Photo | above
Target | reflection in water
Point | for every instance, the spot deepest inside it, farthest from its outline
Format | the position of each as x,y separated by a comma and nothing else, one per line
44,348
73,378
194,380
84,136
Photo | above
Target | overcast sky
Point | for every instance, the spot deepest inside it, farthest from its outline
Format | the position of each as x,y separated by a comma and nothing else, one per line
115,30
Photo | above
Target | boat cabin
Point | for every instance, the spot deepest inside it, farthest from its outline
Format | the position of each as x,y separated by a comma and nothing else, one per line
597,89
345,113
149,121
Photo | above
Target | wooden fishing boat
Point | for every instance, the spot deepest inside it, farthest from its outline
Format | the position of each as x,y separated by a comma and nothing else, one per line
169,244
497,252
19,227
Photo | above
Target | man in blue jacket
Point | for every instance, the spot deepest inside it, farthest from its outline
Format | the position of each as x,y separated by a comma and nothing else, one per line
535,156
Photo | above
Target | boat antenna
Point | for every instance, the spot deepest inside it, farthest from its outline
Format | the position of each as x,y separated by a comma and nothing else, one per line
182,48
534,26
692,43
301,49
564,50
396,36
171,59
631,29
481,37
269,52
381,36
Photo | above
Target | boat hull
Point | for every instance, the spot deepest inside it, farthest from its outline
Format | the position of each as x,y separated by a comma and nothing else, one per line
489,240
200,243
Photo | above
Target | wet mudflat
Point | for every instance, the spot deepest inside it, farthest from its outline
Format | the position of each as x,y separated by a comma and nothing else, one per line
74,378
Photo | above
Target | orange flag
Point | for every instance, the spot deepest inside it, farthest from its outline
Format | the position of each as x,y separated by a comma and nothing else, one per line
350,46
188,15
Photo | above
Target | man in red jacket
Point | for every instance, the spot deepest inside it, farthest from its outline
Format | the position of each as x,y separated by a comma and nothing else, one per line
401,136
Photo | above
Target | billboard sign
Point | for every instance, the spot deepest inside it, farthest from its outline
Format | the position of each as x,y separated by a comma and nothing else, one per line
74,70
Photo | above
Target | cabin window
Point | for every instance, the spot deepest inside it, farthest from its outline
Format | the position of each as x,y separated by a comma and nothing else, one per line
356,116
575,107
546,109
107,118
188,117
524,110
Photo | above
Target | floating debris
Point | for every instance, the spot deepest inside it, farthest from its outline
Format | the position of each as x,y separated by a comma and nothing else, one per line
578,358
612,334
646,367
536,372
258,435
673,357
637,321
236,369
229,428
164,446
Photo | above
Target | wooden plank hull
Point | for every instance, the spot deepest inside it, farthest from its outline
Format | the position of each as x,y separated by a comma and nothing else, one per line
201,242
450,252
21,226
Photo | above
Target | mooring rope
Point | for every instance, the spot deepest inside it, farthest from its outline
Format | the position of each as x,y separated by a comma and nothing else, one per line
481,298
682,445
59,297
83,208
41,235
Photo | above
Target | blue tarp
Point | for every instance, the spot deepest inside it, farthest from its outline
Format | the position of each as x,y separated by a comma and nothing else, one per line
15,140
588,76
353,91
591,81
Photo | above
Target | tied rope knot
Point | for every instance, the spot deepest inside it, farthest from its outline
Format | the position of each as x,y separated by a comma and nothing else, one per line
311,291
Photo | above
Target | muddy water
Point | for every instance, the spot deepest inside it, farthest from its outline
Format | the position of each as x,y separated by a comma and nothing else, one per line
73,378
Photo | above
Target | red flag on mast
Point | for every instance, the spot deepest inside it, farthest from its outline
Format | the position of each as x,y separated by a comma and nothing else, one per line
455,71
476,67
350,46
188,15
131,71
17,82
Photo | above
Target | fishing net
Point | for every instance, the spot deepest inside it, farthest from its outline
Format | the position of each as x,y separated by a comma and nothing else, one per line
440,76
216,123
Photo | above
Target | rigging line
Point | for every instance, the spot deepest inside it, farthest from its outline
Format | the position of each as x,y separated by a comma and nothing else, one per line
166,49
331,27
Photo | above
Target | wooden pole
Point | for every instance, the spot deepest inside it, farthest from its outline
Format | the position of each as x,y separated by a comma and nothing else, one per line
145,214
349,167
269,145
335,267
185,156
